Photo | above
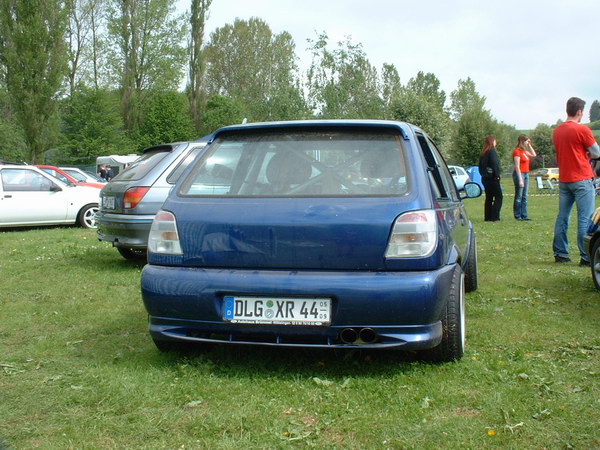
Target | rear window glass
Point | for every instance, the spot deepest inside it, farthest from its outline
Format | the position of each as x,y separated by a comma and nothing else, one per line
140,167
307,162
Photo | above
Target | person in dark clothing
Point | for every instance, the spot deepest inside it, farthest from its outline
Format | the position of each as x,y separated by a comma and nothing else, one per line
110,174
102,171
489,168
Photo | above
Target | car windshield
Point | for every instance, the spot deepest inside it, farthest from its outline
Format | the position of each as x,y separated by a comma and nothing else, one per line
307,162
78,176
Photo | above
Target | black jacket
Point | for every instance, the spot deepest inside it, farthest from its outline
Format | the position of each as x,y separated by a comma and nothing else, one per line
489,164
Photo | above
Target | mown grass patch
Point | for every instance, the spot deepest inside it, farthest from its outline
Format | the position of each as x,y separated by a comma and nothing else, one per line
78,369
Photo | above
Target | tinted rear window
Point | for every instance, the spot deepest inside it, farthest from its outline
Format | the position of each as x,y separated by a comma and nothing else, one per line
307,162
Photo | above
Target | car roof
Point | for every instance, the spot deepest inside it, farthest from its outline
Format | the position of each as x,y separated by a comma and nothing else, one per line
403,127
32,167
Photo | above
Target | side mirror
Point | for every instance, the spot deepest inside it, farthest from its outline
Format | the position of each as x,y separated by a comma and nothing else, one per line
472,190
55,188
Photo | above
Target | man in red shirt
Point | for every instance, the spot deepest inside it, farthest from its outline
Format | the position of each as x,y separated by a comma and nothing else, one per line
575,145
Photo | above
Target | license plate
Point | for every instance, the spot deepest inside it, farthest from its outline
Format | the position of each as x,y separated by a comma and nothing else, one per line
278,311
108,202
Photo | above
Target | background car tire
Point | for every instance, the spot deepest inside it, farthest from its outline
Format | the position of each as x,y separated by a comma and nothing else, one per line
452,346
595,263
134,254
471,268
86,217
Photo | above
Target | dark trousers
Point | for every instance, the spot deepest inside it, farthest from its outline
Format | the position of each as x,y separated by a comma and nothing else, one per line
493,199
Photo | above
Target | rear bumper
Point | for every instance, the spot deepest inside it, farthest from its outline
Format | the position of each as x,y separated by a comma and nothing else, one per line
124,230
395,309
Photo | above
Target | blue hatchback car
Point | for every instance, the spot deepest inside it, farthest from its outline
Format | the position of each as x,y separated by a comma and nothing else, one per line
336,234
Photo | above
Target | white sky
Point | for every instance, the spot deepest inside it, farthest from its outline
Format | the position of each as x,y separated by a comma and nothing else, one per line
527,57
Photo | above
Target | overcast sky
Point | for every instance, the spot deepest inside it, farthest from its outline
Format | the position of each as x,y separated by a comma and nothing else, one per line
527,57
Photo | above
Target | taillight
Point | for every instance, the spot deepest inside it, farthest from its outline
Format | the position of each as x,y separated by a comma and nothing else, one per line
133,196
414,234
163,237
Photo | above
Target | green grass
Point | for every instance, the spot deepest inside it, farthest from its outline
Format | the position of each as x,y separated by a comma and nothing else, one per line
78,369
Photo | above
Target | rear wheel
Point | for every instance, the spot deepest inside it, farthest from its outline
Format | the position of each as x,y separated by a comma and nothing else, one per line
452,346
87,216
595,263
471,267
135,254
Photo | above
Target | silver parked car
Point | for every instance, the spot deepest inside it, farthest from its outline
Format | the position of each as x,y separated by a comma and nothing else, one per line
129,202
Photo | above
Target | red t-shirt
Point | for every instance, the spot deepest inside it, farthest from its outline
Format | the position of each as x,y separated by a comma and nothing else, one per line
571,141
524,161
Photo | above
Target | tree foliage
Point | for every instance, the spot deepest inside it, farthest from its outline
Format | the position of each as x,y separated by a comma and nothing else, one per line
342,83
541,138
471,130
595,111
247,62
196,65
465,98
166,119
390,87
92,126
427,86
33,53
220,112
146,53
410,106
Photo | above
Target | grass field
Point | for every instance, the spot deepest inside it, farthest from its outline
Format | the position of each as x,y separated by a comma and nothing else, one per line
78,369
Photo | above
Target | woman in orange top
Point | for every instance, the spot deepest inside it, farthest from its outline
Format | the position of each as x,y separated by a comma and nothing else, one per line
521,155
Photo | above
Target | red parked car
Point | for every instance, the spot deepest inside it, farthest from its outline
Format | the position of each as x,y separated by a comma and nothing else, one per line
66,178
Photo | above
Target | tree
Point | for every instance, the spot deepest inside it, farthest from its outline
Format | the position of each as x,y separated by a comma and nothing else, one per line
428,86
470,132
342,83
166,119
595,111
196,66
465,98
541,138
146,53
33,53
409,106
390,86
221,111
91,127
247,62
84,42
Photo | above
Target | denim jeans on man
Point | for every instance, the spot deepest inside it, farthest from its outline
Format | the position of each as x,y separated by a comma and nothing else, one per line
520,203
581,193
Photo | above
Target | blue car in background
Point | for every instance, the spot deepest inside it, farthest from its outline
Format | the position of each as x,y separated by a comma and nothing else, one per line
329,234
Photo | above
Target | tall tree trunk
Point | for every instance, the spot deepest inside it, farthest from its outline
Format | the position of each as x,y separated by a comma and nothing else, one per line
198,18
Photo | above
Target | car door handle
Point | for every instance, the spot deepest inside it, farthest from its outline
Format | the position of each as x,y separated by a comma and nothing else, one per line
8,196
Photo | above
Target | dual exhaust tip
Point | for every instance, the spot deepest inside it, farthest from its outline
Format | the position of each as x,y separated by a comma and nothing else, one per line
358,336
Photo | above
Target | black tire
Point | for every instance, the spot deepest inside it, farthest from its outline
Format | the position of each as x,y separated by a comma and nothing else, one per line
87,216
133,254
452,346
595,263
471,268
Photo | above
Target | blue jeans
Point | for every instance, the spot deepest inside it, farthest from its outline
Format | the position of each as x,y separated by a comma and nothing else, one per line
581,193
520,203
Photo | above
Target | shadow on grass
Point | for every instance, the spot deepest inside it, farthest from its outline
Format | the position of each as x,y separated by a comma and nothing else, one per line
289,363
